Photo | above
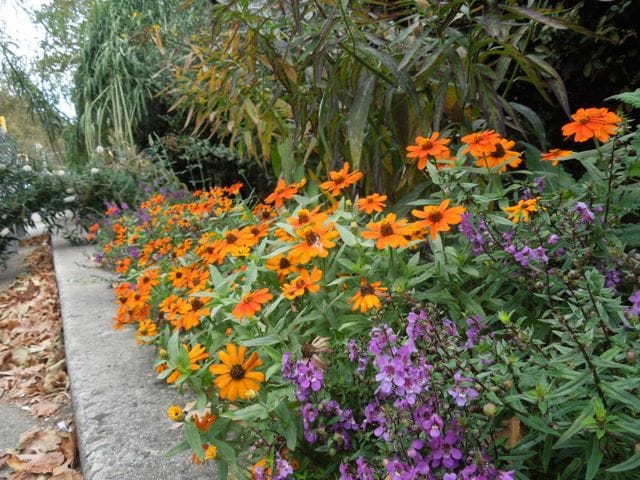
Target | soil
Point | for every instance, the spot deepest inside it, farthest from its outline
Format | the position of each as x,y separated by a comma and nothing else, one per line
34,387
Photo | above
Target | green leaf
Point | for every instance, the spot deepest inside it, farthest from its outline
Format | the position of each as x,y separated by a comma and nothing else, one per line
358,116
533,15
347,237
251,412
225,450
631,463
192,435
173,346
575,426
183,446
621,395
594,460
223,470
630,98
270,339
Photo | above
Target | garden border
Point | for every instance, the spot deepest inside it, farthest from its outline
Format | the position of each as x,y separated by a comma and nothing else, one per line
119,407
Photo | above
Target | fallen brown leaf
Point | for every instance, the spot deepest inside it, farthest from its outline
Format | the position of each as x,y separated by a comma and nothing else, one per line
512,431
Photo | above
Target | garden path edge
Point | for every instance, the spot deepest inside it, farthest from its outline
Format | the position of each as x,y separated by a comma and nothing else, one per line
119,406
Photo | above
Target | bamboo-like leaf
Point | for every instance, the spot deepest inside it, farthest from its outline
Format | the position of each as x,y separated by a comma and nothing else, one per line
359,115
534,15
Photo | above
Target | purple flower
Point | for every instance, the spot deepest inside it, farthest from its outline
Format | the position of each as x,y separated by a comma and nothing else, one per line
553,239
476,238
461,394
283,468
635,300
586,215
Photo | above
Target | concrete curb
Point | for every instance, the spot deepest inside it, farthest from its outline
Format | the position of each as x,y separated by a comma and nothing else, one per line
119,407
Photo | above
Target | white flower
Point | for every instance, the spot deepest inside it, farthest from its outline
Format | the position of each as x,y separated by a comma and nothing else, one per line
27,168
60,173
69,190
99,150
5,231
69,199
2,166
94,170
38,146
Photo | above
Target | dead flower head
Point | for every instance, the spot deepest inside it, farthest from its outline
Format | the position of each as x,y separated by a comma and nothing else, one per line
313,351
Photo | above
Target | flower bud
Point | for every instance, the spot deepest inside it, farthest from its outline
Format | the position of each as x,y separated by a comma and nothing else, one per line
489,409
175,413
632,356
507,384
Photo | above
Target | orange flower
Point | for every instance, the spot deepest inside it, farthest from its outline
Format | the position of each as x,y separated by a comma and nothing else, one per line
341,179
264,212
282,265
429,147
305,282
304,217
148,279
179,276
479,143
235,375
388,232
554,154
284,192
182,249
499,156
368,296
372,203
439,218
146,328
203,424
196,354
592,122
123,265
251,303
317,239
522,210
260,470
173,306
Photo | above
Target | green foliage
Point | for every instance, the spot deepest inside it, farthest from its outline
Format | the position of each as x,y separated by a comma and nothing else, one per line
358,82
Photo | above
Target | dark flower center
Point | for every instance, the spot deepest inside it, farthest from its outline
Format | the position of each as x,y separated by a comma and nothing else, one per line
435,217
386,229
196,303
231,238
209,250
303,218
237,372
367,289
426,144
178,274
311,238
284,263
299,284
266,215
308,350
499,151
338,179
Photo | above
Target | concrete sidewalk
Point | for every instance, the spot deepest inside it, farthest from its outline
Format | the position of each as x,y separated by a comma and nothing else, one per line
119,407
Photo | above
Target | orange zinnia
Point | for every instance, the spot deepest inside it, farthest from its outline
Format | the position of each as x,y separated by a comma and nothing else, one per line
341,179
284,192
368,296
500,156
522,210
235,375
429,147
317,239
251,303
282,265
554,154
305,282
203,424
388,232
372,203
479,143
439,218
304,217
592,122
196,354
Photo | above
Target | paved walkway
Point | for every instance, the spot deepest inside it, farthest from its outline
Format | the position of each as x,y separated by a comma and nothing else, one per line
119,407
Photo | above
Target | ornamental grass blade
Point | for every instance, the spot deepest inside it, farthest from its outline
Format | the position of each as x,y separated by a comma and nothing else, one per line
359,115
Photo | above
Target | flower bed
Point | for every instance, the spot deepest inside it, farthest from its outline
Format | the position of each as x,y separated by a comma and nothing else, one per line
485,328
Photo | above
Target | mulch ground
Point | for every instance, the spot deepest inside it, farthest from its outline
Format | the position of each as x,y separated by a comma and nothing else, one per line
33,374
